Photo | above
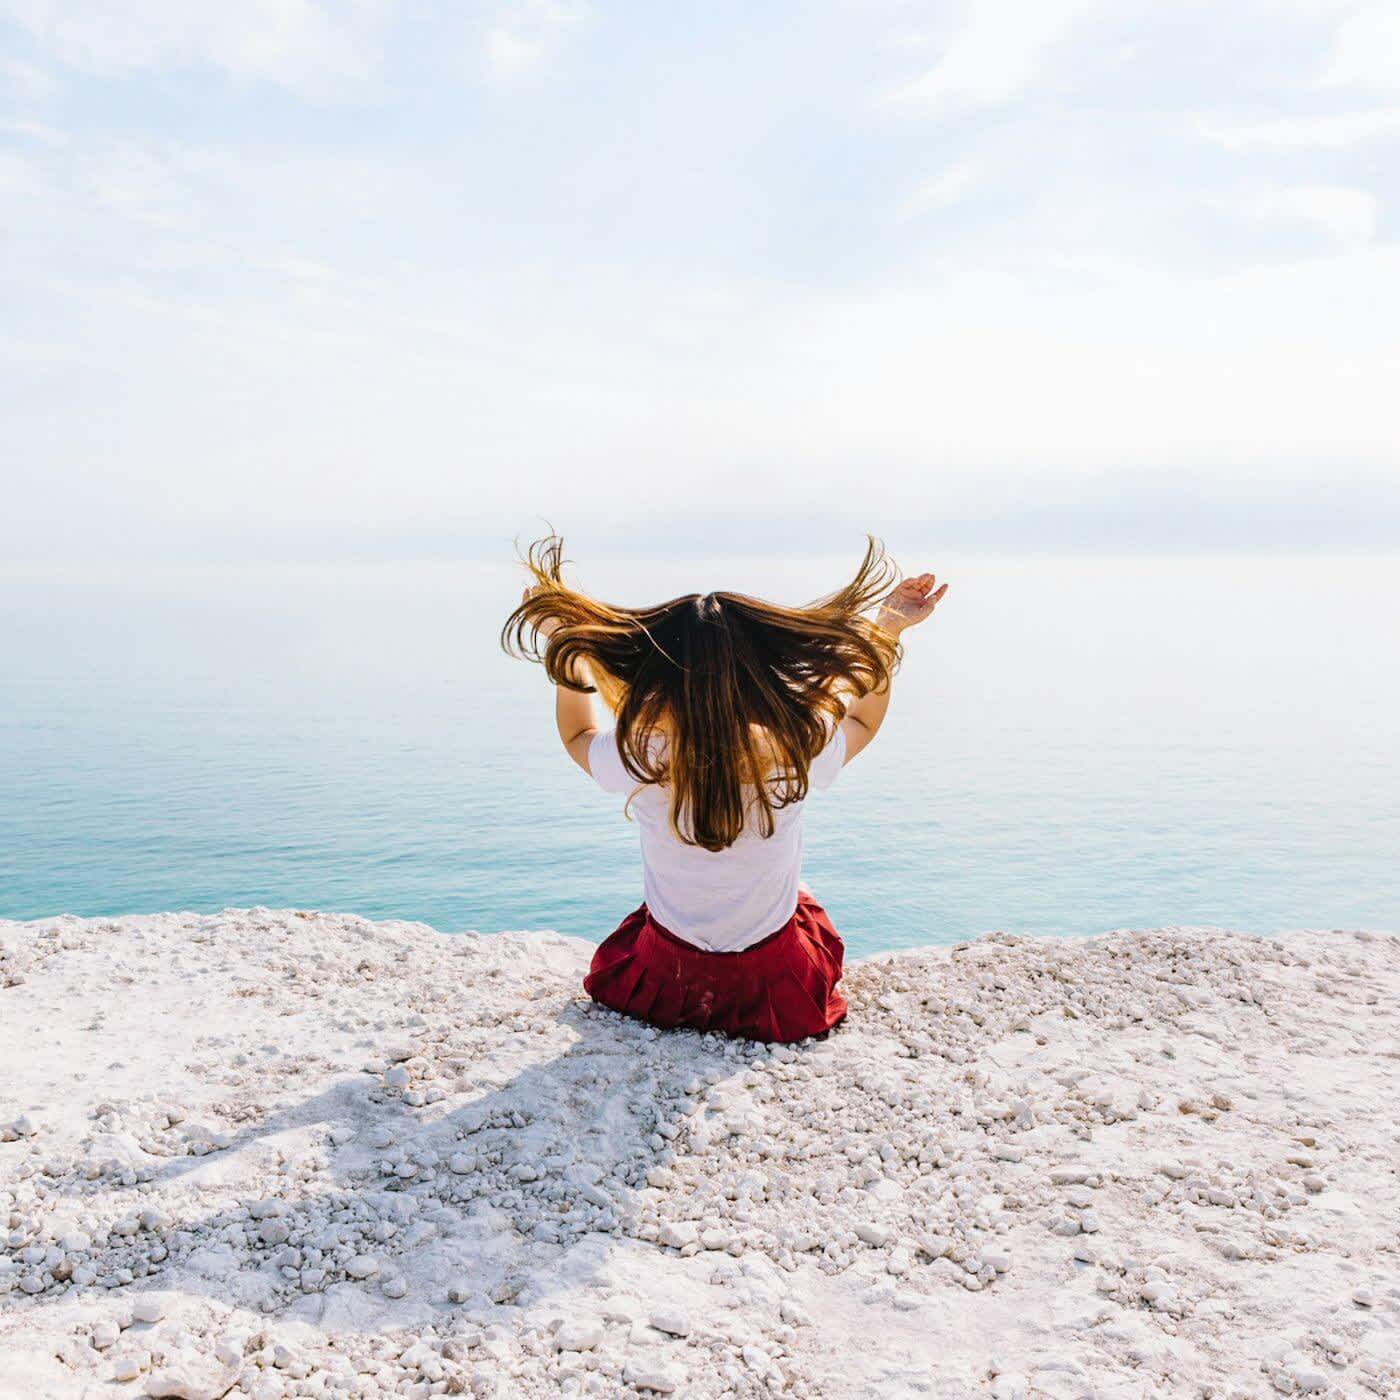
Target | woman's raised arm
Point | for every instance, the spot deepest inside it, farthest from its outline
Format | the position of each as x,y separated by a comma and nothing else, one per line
908,605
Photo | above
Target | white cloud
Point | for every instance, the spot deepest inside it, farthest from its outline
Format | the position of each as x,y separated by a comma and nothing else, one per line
34,131
364,324
1366,52
309,47
16,174
1332,131
997,52
24,80
948,187
1345,215
524,34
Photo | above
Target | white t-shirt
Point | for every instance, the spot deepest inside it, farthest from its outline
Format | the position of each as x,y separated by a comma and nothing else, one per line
719,900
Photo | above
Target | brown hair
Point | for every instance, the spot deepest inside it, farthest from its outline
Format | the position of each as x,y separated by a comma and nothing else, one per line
744,692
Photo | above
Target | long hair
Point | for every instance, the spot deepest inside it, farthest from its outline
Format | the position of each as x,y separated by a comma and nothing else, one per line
721,698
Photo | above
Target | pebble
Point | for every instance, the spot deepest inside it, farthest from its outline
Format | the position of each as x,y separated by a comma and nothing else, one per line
579,1335
872,1234
147,1308
672,1321
362,1266
679,1233
129,1365
187,1381
646,1375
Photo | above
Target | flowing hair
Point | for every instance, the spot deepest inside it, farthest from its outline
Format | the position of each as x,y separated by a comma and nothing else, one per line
721,698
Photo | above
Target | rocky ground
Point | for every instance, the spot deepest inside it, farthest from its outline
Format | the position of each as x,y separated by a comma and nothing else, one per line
268,1154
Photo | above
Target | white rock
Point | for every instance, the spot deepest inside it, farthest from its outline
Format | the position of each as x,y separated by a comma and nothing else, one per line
130,1365
147,1308
188,1381
647,1375
362,1266
579,1335
460,1164
1307,1381
396,1077
395,1287
756,1359
672,1321
877,1235
105,1334
793,1313
676,1234
228,1352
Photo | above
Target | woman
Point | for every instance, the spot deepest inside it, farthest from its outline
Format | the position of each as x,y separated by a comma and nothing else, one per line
727,712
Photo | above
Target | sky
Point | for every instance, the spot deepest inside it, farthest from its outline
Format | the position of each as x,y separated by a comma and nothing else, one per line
344,278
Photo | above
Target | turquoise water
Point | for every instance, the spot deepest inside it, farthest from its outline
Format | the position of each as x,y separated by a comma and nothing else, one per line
1074,745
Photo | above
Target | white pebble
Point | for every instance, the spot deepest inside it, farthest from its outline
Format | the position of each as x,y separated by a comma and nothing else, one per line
676,1234
129,1366
646,1375
672,1321
580,1335
147,1308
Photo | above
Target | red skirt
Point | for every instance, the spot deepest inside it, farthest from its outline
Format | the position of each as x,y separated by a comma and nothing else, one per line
783,988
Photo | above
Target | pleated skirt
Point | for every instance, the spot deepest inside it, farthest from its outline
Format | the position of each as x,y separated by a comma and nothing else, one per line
780,989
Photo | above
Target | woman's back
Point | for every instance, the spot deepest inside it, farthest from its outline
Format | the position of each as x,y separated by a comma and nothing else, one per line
723,900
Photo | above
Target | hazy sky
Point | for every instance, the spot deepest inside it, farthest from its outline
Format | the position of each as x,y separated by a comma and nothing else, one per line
305,276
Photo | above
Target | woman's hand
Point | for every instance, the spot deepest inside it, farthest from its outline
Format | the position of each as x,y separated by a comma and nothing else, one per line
549,625
910,603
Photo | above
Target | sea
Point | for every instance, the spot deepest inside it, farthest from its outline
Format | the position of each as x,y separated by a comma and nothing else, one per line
1074,745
